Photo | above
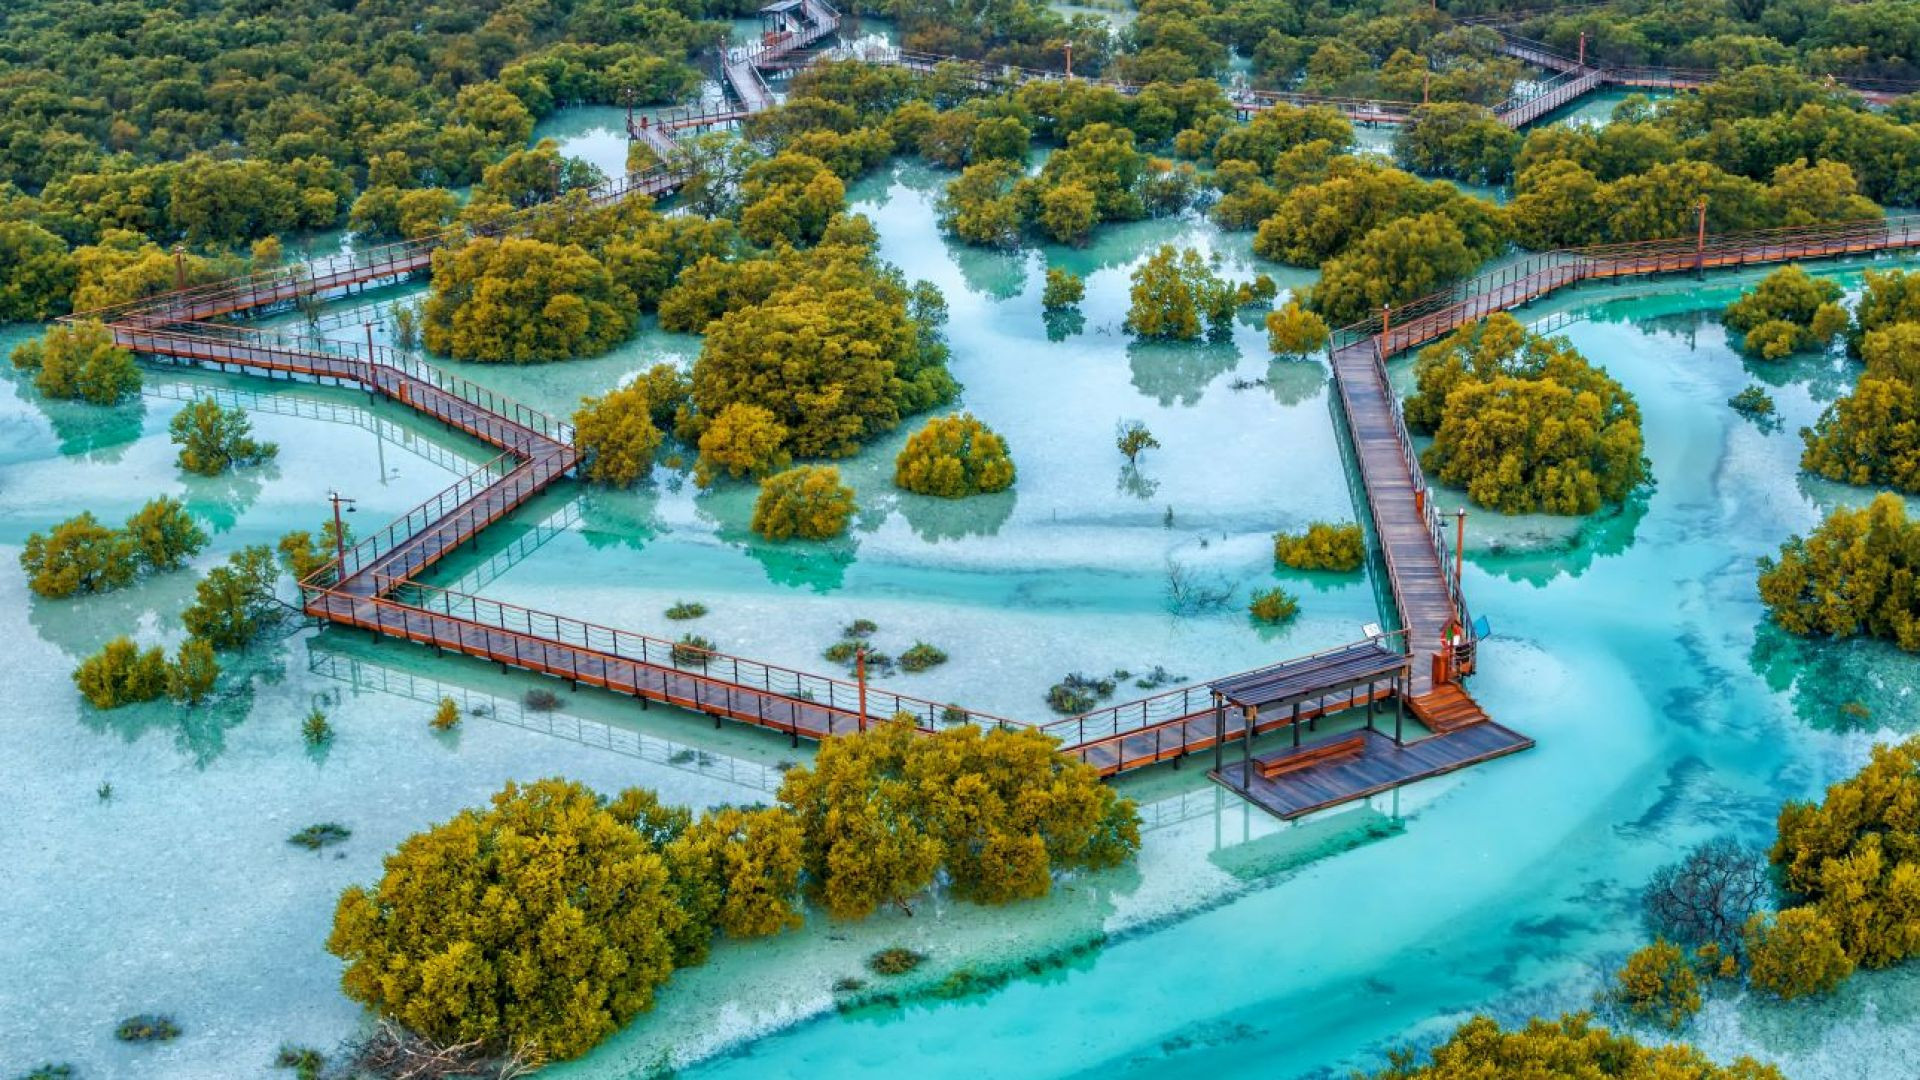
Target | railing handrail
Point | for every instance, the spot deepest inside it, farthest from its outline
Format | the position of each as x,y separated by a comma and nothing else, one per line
385,255
649,643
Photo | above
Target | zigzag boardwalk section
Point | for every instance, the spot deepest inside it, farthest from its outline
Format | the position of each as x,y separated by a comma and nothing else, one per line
1416,668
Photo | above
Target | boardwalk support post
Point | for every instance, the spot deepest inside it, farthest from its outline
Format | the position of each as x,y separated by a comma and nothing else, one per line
1219,733
1700,241
1251,717
1400,707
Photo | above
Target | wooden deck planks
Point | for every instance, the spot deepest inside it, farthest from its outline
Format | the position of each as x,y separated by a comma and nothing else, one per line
1381,766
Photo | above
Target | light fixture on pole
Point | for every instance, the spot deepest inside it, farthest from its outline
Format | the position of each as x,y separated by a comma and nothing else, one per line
340,532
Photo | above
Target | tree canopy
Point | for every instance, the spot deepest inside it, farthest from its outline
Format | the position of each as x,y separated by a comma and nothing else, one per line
520,300
952,457
807,502
999,810
79,361
1788,311
1854,574
1524,423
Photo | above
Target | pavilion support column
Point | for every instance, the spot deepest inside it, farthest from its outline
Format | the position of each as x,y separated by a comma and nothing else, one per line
1251,716
1296,725
1400,709
1219,734
1369,704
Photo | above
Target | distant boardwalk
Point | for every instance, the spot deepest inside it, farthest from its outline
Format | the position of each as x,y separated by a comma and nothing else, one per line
1416,670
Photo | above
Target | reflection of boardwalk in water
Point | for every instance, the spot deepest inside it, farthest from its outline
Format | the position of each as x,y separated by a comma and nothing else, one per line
292,402
1417,667
362,674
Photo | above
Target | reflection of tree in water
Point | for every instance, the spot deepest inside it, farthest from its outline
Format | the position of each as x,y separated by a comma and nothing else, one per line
1062,325
1066,940
1855,685
611,519
1172,372
805,564
79,625
102,433
935,519
1826,376
1134,483
801,564
998,274
1294,381
1607,533
222,499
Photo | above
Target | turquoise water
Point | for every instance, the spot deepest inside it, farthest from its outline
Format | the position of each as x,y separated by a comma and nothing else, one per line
1628,646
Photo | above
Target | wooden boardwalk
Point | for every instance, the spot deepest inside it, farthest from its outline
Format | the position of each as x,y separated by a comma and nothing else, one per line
1381,766
377,585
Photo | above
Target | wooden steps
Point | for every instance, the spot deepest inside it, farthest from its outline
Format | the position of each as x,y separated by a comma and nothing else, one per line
1447,708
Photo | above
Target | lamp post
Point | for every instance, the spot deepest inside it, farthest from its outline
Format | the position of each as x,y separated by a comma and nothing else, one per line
340,533
1069,46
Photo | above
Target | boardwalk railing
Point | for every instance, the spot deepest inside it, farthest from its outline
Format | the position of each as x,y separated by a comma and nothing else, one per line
1179,703
718,668
369,550
1524,280
266,288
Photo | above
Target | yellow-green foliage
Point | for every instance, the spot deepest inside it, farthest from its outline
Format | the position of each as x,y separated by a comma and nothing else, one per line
39,274
789,198
302,554
543,922
1787,312
446,716
745,868
163,535
1176,294
1273,606
1524,423
979,206
1324,546
823,339
79,555
1396,263
1872,436
743,440
191,676
954,456
121,674
235,601
616,435
1795,953
1855,856
1570,1047
1000,810
807,501
81,362
1064,289
1855,574
1658,983
1294,331
213,438
521,300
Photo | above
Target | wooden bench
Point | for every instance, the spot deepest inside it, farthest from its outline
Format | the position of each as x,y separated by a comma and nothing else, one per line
1332,750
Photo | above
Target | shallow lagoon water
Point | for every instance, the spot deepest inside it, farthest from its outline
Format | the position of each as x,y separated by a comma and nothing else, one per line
1238,946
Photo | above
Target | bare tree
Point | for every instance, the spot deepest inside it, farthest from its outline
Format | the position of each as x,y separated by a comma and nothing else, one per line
392,1052
1707,896
1190,592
